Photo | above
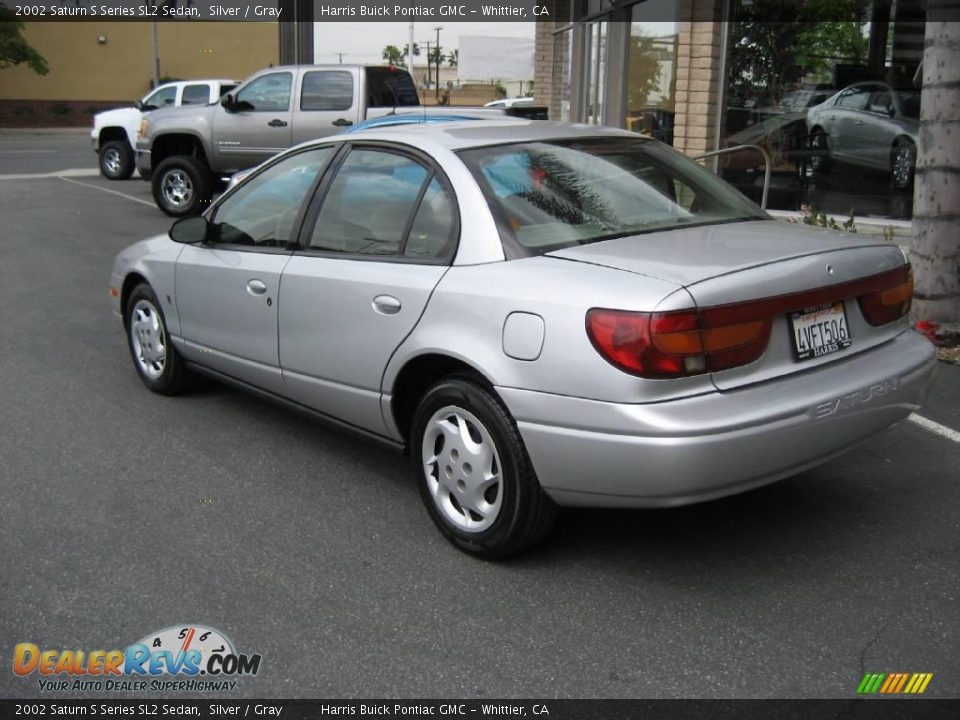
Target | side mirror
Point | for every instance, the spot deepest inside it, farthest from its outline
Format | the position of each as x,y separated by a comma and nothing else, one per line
228,103
190,230
138,105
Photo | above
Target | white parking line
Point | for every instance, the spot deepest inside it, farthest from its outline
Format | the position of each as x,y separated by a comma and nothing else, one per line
935,427
74,172
107,190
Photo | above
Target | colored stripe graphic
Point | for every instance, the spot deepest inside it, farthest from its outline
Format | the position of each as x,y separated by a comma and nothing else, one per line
894,683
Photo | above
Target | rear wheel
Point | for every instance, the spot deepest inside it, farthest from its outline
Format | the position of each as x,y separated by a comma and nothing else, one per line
474,475
903,161
182,186
116,160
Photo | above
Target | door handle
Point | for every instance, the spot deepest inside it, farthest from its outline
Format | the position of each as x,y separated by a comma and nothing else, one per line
386,304
277,123
342,122
256,287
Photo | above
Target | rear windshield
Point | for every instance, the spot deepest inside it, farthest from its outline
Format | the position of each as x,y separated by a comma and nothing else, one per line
551,195
390,87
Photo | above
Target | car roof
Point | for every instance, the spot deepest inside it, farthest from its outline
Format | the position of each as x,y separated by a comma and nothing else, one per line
479,133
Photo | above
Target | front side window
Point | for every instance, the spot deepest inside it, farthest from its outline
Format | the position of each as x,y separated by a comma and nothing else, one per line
268,93
550,195
262,211
164,97
196,95
381,203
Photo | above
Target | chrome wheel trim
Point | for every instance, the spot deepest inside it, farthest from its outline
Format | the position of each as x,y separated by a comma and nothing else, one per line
177,188
903,160
111,161
462,469
148,339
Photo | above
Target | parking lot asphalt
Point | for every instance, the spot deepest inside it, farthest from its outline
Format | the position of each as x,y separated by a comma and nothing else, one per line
125,512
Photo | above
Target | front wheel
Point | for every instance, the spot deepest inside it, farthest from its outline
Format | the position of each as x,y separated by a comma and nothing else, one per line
182,186
903,162
474,475
116,160
157,362
819,151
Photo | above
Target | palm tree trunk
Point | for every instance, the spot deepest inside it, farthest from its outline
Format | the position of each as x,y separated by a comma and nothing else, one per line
935,248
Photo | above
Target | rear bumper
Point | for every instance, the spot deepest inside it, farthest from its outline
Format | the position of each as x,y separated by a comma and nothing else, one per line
720,443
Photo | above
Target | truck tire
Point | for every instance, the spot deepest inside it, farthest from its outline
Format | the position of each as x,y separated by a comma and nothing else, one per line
182,185
116,160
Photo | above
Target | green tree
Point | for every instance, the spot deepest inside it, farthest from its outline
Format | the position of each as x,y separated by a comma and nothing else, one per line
768,58
436,56
416,50
14,49
453,58
392,55
643,71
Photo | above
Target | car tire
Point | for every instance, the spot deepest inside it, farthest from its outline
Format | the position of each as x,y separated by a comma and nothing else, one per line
820,159
482,491
903,161
116,160
155,359
182,185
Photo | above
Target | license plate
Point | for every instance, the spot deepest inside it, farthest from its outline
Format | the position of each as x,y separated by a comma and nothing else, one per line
820,331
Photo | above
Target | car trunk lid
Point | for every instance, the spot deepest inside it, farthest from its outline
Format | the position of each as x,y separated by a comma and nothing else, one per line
724,267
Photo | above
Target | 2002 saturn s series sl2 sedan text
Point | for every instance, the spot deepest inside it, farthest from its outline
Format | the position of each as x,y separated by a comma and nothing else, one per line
541,314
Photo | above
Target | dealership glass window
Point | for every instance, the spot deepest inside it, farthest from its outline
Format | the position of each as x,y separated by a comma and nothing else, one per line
595,72
651,71
834,114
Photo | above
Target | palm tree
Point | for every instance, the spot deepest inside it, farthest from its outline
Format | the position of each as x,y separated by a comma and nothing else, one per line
416,50
935,247
453,58
392,55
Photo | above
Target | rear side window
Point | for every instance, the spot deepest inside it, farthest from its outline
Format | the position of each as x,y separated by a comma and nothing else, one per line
389,87
381,203
330,90
196,95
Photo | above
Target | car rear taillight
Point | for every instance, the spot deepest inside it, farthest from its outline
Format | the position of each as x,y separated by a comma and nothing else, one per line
692,342
891,301
674,344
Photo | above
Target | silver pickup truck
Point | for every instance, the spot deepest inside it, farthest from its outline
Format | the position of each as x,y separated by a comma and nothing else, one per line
186,151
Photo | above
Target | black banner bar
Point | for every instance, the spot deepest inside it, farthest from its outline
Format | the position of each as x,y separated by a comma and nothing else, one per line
854,709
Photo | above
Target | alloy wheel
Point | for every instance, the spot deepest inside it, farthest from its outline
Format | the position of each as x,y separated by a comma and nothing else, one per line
177,188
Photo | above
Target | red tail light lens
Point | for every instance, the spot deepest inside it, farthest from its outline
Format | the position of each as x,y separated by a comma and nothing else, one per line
890,302
673,344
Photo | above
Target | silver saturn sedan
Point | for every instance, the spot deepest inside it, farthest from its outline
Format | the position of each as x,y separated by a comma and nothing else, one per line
539,314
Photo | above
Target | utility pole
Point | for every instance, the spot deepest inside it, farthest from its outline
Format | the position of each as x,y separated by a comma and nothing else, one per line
340,56
438,29
428,43
156,54
410,51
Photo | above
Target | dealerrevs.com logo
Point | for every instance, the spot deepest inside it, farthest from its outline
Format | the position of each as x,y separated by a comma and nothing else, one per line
186,657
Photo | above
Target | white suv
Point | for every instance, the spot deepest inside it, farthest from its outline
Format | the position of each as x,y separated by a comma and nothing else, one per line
114,132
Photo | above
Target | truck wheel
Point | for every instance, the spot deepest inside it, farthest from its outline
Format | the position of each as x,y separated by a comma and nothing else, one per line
116,160
182,186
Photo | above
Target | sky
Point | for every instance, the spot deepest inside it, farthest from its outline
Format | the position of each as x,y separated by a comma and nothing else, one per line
363,42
